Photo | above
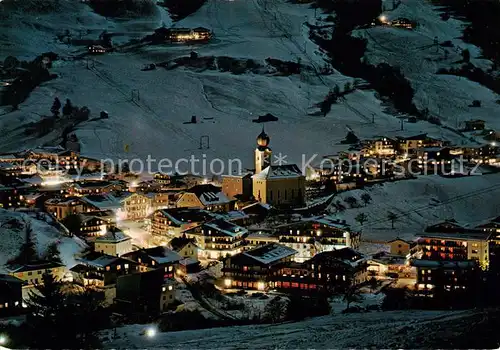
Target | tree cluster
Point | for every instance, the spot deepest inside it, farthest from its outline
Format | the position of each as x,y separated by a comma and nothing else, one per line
62,320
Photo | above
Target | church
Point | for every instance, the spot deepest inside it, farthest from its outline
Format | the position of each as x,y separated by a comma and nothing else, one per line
276,185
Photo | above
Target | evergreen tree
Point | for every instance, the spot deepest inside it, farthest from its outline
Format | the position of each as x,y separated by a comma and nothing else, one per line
56,106
336,90
68,108
275,310
52,253
27,252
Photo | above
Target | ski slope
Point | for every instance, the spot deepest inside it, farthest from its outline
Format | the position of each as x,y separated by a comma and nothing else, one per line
414,52
422,202
154,124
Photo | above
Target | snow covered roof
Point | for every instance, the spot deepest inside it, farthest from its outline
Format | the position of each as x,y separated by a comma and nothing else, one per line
10,279
99,260
113,236
211,198
443,264
329,221
36,265
180,216
63,201
226,227
92,184
162,255
279,172
270,253
466,236
103,201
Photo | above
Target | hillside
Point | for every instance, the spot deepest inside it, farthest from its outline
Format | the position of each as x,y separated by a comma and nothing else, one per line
396,329
12,236
155,125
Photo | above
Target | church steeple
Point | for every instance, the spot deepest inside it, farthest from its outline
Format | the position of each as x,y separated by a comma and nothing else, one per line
262,152
263,139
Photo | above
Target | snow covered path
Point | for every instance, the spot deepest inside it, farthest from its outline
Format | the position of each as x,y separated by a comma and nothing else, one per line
377,329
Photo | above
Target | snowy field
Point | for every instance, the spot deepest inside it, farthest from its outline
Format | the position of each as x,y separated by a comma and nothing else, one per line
444,95
154,125
422,202
12,236
397,329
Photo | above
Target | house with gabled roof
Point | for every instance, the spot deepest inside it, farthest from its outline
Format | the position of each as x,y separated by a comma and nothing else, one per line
156,258
205,196
173,221
114,242
218,238
255,269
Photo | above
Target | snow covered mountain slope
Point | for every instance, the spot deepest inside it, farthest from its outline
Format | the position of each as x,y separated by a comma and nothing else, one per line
446,96
422,202
154,125
12,236
397,329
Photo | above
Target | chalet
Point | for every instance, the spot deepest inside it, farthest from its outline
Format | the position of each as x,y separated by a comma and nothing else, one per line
338,268
379,147
410,144
176,220
402,23
435,159
185,247
386,264
259,238
186,35
98,49
52,153
145,293
161,258
207,197
114,242
100,202
135,206
218,238
101,270
401,247
254,269
11,299
446,276
32,273
63,207
162,178
314,235
484,153
256,212
91,187
476,124
91,225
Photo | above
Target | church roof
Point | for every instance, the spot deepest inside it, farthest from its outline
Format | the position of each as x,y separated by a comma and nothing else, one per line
279,172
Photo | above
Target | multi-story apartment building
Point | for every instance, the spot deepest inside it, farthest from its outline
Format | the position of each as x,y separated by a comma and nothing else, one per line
455,246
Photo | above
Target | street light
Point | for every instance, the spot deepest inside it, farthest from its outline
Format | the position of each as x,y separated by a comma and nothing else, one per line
151,332
3,339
